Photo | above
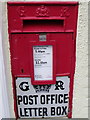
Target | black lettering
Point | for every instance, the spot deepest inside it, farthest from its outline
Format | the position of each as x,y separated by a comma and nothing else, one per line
30,113
36,51
40,111
24,86
52,111
19,99
26,112
35,109
58,111
35,96
43,62
64,108
25,100
65,98
45,112
30,100
21,114
52,98
42,99
56,99
59,85
47,99
40,51
60,98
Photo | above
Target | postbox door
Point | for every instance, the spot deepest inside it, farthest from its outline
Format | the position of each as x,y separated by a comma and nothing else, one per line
20,57
21,54
65,51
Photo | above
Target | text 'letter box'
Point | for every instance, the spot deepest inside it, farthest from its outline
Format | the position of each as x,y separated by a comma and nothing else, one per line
42,38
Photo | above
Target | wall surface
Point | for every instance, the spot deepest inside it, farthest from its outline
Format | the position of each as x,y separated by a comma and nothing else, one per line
80,101
80,98
7,66
1,101
89,57
3,85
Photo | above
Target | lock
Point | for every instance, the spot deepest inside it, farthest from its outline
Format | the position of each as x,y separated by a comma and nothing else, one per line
42,37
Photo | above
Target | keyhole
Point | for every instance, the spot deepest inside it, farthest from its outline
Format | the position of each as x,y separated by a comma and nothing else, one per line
22,70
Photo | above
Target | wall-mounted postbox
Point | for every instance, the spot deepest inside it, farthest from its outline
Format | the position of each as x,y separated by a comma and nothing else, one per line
42,38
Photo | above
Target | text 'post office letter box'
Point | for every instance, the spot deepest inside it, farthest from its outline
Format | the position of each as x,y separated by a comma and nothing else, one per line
42,37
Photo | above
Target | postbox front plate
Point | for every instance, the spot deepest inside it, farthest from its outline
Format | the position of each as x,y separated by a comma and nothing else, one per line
42,101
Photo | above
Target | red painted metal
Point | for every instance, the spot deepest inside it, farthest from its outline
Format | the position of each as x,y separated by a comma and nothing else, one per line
26,20
44,2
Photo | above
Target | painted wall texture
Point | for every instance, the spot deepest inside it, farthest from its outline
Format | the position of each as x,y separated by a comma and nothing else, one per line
89,55
80,97
80,101
7,64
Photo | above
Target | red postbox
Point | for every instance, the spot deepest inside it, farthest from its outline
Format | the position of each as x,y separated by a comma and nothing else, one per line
42,38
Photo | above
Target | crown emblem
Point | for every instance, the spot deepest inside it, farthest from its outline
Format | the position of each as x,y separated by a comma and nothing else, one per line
42,11
42,88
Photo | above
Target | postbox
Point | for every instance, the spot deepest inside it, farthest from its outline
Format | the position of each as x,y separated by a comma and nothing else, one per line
42,37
